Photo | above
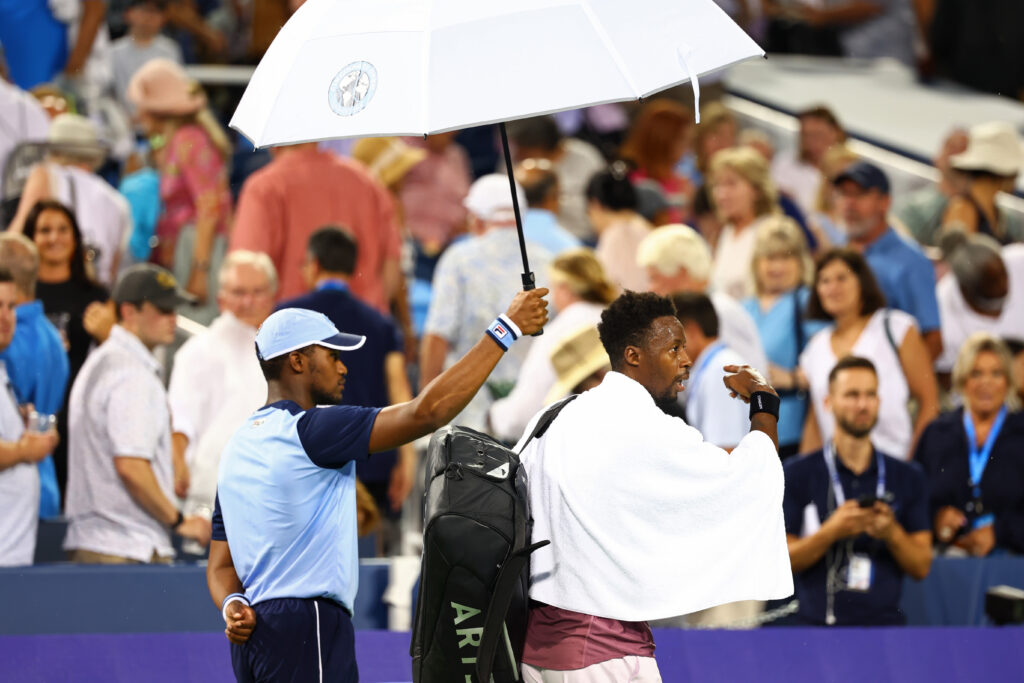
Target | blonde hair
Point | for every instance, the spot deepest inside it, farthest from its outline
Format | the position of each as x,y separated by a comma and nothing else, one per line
244,257
834,160
781,236
975,345
20,256
672,248
583,274
753,168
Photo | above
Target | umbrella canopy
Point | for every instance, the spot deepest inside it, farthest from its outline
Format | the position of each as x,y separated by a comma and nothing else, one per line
353,68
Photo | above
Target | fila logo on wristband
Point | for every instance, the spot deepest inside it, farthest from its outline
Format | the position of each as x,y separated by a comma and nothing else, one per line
503,331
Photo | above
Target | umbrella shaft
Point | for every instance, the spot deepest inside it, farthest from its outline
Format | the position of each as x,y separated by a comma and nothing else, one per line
528,279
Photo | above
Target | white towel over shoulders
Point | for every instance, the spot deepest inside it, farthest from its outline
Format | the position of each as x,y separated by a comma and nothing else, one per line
647,520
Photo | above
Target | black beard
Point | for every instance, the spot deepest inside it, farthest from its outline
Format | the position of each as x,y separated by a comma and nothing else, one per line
324,399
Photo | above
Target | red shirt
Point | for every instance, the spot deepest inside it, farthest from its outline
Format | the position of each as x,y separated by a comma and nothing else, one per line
563,640
301,190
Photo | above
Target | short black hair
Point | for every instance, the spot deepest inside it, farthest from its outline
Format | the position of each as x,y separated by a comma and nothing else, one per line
544,184
848,363
334,249
627,322
539,132
272,368
612,190
871,296
697,308
160,5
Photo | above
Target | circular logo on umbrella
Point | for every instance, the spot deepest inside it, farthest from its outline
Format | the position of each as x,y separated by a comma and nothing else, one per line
353,88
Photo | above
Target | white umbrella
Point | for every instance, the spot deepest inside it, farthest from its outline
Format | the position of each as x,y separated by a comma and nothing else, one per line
353,68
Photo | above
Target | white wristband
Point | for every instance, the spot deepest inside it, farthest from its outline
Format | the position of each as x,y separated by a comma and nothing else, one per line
234,597
511,325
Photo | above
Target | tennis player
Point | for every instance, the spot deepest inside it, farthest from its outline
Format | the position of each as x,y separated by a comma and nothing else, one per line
284,564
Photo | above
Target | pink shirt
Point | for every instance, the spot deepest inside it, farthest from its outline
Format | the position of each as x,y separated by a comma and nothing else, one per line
563,640
301,190
432,195
191,171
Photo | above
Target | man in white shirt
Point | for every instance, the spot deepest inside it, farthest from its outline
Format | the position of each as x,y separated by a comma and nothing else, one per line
120,504
20,450
646,518
983,292
216,382
678,259
68,175
713,412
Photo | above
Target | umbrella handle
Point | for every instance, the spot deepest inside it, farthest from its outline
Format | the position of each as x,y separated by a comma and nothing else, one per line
529,281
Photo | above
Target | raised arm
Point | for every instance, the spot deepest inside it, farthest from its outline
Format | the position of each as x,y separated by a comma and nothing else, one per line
447,395
742,383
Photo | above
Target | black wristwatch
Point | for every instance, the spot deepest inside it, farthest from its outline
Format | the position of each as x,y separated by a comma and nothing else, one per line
179,521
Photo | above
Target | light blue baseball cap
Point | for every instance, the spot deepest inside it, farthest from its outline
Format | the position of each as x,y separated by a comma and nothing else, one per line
291,329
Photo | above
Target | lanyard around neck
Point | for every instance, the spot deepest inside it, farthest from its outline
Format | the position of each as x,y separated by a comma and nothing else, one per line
978,458
833,473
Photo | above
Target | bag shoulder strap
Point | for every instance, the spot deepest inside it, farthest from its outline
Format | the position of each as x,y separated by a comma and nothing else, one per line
888,334
798,323
494,629
546,419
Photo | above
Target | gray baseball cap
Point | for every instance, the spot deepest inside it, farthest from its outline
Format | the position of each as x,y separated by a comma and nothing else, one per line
147,282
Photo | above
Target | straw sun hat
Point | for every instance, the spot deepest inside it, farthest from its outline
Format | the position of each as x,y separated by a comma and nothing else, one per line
576,358
388,158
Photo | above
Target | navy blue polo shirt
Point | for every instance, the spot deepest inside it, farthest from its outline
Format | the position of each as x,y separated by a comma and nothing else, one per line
808,484
366,383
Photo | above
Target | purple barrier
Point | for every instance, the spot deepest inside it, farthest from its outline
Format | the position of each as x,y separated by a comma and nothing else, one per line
792,655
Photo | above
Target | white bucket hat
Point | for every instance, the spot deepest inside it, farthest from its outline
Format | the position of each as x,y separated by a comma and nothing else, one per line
76,136
994,147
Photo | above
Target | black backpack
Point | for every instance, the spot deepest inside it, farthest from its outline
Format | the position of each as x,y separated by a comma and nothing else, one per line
471,612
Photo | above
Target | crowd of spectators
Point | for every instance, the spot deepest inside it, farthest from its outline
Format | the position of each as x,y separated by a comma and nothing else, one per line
128,207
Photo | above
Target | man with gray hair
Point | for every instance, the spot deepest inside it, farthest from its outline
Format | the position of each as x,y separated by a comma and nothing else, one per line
216,382
983,292
36,360
677,259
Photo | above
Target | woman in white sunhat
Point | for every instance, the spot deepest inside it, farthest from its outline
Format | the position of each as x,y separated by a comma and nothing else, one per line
994,158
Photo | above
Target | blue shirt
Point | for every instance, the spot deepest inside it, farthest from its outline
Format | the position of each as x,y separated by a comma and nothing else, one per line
808,484
777,327
38,367
366,382
541,227
286,501
34,42
906,277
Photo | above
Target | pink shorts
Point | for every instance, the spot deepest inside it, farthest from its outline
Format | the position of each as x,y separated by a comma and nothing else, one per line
630,669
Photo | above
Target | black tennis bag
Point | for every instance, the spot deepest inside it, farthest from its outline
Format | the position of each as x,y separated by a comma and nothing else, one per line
470,624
